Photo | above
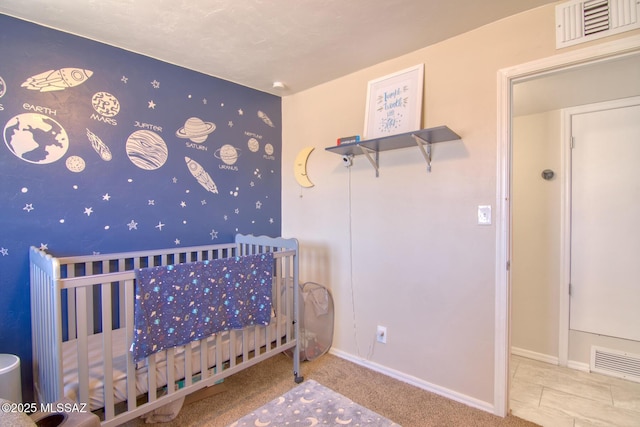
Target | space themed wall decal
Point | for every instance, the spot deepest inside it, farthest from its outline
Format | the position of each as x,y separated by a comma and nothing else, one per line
265,118
201,175
110,151
99,146
196,130
61,79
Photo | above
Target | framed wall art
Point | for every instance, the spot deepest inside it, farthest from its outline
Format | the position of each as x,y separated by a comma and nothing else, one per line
394,103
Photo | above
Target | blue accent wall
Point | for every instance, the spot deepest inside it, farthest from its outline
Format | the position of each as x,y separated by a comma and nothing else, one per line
104,150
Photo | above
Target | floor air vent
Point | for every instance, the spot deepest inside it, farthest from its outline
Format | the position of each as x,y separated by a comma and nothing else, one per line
615,363
580,21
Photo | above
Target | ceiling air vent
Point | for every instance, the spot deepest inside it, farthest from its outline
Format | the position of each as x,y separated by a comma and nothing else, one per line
579,21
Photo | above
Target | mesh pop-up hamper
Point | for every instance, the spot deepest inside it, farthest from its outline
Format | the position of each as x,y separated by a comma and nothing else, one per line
316,317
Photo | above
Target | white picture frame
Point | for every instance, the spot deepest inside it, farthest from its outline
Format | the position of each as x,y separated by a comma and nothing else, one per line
394,103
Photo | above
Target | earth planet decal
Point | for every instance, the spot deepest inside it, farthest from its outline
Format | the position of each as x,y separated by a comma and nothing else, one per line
36,138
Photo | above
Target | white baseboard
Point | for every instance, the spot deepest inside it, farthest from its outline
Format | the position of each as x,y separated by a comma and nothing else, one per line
580,366
541,357
409,379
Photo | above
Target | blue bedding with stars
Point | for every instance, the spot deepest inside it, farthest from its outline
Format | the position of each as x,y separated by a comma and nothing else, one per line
177,304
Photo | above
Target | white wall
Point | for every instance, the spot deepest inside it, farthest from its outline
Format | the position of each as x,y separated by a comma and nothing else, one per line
535,262
404,250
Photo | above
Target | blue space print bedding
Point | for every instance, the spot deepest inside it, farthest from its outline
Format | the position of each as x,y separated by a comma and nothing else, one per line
180,303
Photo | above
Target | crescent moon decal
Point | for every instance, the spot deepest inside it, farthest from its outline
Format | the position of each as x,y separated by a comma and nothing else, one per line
312,420
281,400
343,422
303,400
300,167
259,423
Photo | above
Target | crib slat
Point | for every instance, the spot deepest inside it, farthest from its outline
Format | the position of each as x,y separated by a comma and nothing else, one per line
131,371
204,359
82,345
109,406
188,369
233,346
170,368
151,377
219,358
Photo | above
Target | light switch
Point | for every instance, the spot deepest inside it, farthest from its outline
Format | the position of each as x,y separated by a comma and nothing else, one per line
484,215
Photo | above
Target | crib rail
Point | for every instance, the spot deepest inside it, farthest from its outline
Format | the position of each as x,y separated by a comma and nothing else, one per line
78,301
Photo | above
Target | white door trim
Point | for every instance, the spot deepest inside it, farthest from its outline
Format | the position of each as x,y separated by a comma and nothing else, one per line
506,78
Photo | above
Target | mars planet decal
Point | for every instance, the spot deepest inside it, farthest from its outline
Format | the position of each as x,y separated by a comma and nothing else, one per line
146,149
106,104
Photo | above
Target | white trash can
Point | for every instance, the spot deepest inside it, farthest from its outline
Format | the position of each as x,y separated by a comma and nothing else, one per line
10,381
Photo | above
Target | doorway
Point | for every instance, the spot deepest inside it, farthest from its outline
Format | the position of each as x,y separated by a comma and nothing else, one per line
509,82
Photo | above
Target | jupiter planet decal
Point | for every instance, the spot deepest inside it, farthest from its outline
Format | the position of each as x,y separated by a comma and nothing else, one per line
146,149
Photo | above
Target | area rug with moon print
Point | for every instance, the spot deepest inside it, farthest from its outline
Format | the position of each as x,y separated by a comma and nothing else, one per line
311,404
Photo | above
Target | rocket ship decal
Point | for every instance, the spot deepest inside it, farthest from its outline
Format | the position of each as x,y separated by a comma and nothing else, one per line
61,79
201,175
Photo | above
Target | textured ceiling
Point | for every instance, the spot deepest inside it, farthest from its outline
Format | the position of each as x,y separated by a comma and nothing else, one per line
301,43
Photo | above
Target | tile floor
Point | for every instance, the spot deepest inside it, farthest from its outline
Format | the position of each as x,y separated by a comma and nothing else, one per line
554,396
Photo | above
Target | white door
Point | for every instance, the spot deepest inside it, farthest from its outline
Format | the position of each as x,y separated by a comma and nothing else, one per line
605,222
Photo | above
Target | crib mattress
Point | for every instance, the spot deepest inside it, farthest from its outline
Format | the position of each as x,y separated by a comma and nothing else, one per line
96,363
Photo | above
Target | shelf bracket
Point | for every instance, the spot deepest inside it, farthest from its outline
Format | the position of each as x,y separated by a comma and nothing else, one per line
367,152
426,153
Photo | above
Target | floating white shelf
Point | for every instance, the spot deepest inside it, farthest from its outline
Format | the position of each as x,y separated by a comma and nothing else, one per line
420,138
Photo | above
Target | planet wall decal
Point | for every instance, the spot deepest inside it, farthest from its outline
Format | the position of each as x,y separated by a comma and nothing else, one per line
36,138
228,154
196,129
146,149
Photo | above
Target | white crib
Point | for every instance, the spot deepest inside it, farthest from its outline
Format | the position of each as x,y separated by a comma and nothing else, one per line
83,309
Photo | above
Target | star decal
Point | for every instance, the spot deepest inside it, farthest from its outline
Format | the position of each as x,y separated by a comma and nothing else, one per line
152,105
258,204
213,234
155,84
106,197
44,247
28,207
183,204
151,202
88,211
124,79
132,225
4,251
160,225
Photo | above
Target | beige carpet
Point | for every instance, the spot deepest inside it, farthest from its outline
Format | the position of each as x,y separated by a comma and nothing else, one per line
402,403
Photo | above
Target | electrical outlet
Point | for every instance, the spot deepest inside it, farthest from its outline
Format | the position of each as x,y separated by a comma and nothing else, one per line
381,334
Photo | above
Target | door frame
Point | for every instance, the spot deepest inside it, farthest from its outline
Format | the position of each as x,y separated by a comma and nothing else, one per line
506,79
